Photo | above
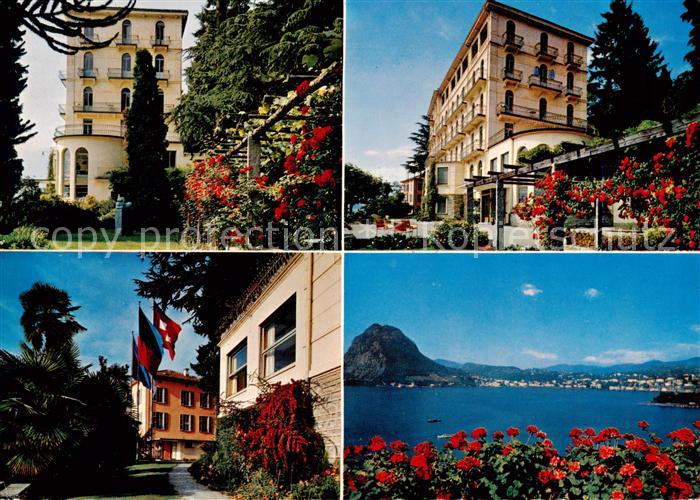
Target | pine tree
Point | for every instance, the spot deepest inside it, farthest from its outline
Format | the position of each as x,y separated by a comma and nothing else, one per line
686,85
626,82
13,130
416,163
147,184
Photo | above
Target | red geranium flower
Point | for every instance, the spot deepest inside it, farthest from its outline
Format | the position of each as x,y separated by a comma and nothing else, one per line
628,470
377,443
606,452
513,431
617,495
479,433
302,88
385,477
643,424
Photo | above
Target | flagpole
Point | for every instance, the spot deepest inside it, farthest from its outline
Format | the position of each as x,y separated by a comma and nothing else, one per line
138,393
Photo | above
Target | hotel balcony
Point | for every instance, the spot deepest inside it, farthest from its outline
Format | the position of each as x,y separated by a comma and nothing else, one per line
554,85
546,52
476,83
127,41
90,73
473,119
499,136
101,130
512,42
573,93
511,77
573,61
162,75
97,108
505,111
473,150
160,42
454,139
119,74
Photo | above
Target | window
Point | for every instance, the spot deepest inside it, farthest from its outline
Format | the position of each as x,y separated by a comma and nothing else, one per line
206,425
87,98
87,127
126,31
172,158
510,29
160,32
505,160
89,32
483,34
480,167
475,48
187,398
442,175
126,64
187,423
237,361
279,338
88,64
570,48
160,420
481,69
543,72
522,193
81,162
161,100
160,63
205,400
162,395
570,115
544,41
543,108
569,80
509,100
510,63
66,165
441,205
81,191
126,99
507,130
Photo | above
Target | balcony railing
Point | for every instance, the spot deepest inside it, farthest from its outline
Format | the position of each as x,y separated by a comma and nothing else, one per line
512,41
512,74
120,74
499,136
162,75
546,51
572,91
128,40
471,117
97,108
573,60
537,81
473,149
535,114
160,42
104,130
87,72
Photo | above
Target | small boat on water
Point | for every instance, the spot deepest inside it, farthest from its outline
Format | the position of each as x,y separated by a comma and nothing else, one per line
434,420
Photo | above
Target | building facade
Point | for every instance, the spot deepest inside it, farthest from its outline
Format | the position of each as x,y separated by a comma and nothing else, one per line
518,81
412,189
176,418
99,86
290,330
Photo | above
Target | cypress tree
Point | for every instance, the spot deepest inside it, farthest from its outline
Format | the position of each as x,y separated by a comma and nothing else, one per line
416,163
13,130
627,83
146,147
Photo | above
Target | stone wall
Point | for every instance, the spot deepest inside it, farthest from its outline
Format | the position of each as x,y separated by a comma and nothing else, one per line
328,412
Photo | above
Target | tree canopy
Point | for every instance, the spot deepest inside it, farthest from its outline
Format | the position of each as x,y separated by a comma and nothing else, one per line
416,163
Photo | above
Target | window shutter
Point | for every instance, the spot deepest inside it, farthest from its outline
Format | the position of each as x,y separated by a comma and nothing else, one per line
166,417
182,423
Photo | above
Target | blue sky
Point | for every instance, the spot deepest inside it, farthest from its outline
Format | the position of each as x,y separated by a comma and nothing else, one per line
103,287
530,310
397,52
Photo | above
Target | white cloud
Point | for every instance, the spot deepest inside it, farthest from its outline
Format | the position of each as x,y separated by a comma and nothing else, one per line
539,354
371,152
402,151
530,290
695,328
592,293
618,356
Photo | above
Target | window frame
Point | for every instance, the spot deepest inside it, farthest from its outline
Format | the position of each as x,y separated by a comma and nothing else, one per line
210,424
184,393
233,375
165,392
292,333
166,420
190,420
438,171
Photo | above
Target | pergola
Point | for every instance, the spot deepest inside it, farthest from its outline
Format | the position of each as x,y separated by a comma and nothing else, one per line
577,162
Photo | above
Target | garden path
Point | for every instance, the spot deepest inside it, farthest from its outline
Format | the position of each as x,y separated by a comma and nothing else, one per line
187,488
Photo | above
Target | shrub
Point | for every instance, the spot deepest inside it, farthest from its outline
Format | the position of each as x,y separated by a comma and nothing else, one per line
393,241
24,238
323,487
453,235
260,486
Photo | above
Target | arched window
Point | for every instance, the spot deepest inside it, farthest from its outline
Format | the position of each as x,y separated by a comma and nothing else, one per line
65,164
160,63
543,72
160,32
478,169
510,30
570,115
126,99
521,150
509,100
87,98
161,100
510,63
544,41
481,103
481,69
81,162
543,108
569,80
88,62
126,31
126,63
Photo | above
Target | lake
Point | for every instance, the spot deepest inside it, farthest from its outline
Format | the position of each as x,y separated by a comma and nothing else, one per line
403,413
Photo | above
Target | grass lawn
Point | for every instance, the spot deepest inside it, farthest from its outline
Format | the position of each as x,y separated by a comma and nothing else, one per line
104,240
142,481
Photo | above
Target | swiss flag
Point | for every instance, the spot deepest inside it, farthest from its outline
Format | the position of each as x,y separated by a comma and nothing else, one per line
167,328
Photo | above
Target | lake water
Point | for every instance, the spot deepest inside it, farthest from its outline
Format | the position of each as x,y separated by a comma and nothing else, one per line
403,413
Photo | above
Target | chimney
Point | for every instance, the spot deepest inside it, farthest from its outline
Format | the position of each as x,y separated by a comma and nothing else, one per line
187,372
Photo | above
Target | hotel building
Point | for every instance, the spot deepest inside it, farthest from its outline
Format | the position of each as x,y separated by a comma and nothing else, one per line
518,81
175,419
287,327
99,86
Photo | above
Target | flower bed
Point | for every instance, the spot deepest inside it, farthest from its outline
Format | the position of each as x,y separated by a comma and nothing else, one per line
605,464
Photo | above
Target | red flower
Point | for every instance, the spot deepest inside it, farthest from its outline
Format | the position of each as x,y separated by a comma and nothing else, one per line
475,446
617,495
305,109
547,443
301,203
606,452
385,477
479,433
513,431
324,178
498,435
671,142
377,443
628,470
684,436
468,463
545,476
507,450
634,485
643,424
420,463
574,466
398,446
600,469
302,88
531,429
399,458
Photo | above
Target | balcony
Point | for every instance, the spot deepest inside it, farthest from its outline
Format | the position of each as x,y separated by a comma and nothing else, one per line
512,76
546,52
454,139
99,130
499,136
503,110
97,108
160,42
127,41
90,73
512,42
162,75
473,150
119,74
546,84
473,119
573,61
476,82
573,93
